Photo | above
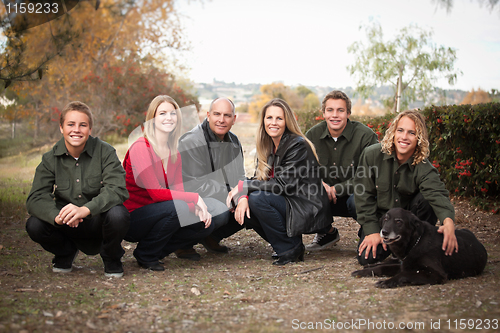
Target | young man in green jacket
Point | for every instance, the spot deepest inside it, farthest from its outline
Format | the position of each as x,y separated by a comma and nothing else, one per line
397,173
76,199
339,143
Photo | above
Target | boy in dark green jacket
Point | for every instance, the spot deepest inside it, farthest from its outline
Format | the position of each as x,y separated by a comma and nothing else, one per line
76,199
339,143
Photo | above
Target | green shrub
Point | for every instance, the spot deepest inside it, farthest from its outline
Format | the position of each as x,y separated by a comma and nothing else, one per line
465,147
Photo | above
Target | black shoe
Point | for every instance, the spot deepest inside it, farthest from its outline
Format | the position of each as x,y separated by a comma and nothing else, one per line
152,266
113,268
291,256
275,256
64,264
189,254
324,241
213,246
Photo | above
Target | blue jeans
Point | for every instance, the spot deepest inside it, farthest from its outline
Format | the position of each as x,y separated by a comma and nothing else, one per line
101,234
344,207
158,231
268,219
226,224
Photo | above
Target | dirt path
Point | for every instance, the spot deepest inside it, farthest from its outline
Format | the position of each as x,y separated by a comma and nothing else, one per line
237,292
240,291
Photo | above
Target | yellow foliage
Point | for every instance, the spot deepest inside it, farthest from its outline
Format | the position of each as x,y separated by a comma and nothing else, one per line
270,91
476,97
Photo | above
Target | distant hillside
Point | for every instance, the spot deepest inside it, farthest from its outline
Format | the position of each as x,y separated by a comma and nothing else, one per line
243,93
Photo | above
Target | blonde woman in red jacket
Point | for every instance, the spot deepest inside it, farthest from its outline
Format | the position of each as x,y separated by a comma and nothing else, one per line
163,218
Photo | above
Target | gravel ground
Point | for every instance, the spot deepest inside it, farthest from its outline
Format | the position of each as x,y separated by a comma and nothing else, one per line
240,291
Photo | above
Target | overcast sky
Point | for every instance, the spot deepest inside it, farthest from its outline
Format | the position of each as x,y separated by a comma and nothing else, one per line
305,42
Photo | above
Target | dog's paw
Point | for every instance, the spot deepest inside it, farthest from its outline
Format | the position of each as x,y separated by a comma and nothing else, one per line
385,284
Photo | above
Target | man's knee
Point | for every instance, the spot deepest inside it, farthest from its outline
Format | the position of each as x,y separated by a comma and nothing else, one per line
217,209
37,228
118,217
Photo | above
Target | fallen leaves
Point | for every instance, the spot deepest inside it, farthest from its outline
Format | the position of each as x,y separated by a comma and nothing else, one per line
196,291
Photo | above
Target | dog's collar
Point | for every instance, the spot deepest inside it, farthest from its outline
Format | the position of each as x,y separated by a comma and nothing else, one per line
418,240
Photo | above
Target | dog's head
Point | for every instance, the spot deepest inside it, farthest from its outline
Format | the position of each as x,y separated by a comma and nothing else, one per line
399,227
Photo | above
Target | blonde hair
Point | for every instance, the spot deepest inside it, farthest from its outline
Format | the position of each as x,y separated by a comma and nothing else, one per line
422,148
264,141
149,126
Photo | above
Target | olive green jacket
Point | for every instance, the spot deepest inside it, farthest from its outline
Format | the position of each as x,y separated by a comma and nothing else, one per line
96,180
339,159
381,184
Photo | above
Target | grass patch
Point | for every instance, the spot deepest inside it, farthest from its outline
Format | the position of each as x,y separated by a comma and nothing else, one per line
9,147
13,194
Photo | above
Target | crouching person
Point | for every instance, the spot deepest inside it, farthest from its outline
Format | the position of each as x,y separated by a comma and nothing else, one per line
286,197
76,201
397,174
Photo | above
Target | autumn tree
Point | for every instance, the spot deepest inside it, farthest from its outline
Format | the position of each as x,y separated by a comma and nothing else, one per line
302,100
410,62
476,97
122,54
267,93
25,58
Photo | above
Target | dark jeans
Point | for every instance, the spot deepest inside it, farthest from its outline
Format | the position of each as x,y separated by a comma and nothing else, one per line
226,225
344,207
268,219
99,234
157,230
418,206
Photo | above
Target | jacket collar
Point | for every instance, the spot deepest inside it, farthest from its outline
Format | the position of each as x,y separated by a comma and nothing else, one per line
284,141
60,147
347,133
395,159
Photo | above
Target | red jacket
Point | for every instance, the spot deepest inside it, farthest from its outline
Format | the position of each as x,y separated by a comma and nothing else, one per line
146,179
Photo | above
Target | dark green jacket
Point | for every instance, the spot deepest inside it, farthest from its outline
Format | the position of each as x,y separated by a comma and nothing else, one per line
381,184
339,159
96,180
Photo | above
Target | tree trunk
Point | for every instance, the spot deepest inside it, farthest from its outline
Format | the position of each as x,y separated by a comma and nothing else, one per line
13,130
37,128
398,98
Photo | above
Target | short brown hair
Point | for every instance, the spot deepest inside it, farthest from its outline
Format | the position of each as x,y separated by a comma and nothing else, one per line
77,106
337,94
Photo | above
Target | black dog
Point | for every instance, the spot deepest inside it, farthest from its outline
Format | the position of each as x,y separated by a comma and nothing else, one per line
421,260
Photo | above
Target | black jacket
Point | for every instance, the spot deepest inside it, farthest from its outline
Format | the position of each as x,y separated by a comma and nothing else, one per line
208,175
297,178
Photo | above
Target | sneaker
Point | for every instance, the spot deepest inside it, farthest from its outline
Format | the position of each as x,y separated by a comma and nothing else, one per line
152,266
324,241
189,254
113,268
63,264
213,246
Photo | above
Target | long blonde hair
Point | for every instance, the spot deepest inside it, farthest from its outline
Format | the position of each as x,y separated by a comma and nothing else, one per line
264,141
149,126
422,148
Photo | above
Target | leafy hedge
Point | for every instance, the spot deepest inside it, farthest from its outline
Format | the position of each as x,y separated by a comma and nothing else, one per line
465,148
